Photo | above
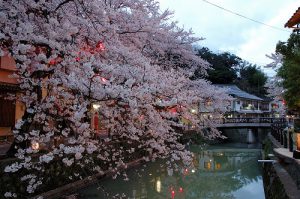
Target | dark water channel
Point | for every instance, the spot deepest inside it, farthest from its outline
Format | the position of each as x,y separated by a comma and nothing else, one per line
220,172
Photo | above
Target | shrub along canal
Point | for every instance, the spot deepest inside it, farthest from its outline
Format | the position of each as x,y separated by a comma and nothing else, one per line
220,172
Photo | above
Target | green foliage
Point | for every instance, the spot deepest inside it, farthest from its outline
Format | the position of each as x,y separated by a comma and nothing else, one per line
228,68
252,80
267,148
290,70
223,71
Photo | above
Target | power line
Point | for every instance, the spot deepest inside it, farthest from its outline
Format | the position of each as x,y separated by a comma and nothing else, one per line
245,17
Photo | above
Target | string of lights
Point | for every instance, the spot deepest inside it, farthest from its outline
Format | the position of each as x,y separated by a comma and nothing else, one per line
245,17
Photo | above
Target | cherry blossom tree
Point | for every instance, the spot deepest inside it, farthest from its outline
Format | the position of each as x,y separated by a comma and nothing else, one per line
125,55
274,84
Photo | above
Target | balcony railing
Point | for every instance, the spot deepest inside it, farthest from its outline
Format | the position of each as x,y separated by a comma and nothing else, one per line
254,120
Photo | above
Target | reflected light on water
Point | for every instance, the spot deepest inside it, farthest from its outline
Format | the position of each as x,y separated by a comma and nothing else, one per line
180,189
218,166
173,194
158,185
216,173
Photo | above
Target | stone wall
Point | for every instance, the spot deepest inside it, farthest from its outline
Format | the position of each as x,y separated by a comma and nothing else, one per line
274,188
281,179
294,170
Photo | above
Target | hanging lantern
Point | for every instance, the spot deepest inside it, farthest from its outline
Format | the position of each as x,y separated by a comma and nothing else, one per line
100,46
173,110
35,145
52,62
283,102
103,80
96,121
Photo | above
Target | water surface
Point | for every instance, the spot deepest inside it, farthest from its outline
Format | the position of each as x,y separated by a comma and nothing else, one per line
222,172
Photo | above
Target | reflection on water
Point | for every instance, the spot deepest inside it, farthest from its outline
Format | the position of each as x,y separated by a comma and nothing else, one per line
218,173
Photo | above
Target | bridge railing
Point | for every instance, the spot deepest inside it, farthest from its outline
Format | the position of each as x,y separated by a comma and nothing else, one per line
253,120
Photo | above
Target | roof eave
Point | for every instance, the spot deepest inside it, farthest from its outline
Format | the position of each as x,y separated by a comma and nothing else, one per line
294,20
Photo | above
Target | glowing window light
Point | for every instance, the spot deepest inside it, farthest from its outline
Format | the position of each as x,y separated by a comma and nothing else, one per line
207,165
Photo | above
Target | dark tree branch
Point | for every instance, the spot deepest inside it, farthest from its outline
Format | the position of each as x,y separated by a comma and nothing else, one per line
61,4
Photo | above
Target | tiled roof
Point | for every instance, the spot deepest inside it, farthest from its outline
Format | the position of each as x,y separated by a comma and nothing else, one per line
235,91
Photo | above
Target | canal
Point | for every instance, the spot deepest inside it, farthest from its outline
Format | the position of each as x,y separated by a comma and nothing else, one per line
219,172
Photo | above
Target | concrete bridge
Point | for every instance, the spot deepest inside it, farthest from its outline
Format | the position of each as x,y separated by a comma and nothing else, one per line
249,130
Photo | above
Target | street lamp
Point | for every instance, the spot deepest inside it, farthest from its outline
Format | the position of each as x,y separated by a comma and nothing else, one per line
96,107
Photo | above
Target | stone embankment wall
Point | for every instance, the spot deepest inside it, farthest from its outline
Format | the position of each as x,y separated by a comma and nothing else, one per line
281,178
274,189
294,170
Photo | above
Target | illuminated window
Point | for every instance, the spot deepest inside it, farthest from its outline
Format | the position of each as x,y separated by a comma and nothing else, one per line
218,166
207,165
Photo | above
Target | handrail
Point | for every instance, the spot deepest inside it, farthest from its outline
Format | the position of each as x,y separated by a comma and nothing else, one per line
254,120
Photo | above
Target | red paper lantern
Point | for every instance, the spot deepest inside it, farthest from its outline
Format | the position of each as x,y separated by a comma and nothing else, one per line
52,62
103,80
96,121
100,46
173,110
